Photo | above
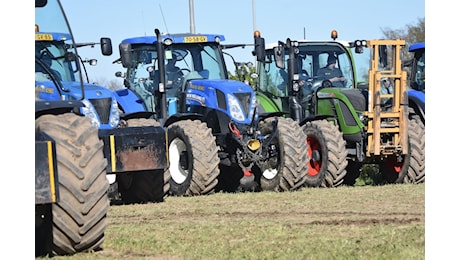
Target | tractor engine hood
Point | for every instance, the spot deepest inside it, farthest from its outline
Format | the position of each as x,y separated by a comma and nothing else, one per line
232,97
100,103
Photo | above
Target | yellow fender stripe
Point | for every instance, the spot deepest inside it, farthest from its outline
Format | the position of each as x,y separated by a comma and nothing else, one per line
112,153
51,171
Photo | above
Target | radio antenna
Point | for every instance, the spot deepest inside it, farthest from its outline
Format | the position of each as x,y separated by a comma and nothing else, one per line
164,21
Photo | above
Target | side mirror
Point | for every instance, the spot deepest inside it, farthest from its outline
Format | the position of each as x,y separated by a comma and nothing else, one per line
259,47
106,46
126,55
279,55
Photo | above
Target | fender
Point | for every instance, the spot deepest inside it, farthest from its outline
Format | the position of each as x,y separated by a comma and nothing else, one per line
417,102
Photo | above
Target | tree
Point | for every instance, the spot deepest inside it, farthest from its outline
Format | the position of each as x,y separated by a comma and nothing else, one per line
244,72
113,84
411,33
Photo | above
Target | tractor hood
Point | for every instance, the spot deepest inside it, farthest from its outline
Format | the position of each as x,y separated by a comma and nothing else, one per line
100,103
232,97
48,91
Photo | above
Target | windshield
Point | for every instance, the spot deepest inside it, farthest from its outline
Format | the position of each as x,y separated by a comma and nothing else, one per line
362,63
419,73
53,45
53,54
182,62
310,59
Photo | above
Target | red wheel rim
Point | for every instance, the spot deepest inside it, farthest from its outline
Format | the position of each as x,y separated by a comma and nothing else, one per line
315,166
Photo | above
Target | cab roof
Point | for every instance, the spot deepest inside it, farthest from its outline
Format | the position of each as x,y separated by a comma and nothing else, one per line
177,38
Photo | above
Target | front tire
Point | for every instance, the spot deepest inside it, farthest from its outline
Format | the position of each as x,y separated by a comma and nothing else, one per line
79,217
288,170
193,159
327,152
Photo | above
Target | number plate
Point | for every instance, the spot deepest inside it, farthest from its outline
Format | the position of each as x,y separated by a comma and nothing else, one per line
190,39
43,37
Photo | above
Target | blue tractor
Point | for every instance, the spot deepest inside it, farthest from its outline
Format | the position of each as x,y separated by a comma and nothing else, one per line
217,140
134,146
71,201
416,90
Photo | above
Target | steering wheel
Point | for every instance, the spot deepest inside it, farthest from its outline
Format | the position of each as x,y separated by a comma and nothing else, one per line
178,78
326,84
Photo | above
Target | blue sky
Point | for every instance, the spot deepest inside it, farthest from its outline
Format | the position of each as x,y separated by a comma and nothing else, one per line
118,20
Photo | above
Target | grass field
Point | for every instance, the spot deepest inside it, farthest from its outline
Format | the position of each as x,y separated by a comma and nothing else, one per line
363,222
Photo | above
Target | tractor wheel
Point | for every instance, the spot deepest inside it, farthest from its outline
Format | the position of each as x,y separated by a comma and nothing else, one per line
416,171
143,186
193,159
327,154
411,169
79,218
287,170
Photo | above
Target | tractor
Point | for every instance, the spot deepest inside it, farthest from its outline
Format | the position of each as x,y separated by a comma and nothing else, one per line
71,186
347,125
217,139
134,146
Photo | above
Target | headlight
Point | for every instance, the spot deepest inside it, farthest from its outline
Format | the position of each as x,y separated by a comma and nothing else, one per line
89,111
235,109
114,114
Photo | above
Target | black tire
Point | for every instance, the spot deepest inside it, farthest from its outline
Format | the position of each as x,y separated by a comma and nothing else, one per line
327,153
143,186
412,168
288,171
416,170
194,160
79,218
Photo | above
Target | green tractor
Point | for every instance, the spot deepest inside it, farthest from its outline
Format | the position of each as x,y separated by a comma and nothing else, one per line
350,124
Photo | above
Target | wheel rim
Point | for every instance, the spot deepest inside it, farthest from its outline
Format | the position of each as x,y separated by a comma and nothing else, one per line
270,173
315,165
177,168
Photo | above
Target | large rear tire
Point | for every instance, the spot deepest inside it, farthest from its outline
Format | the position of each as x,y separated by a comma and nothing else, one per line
288,170
143,186
327,152
411,169
79,217
193,159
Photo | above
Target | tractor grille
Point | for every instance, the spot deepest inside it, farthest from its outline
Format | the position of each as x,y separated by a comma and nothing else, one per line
221,101
102,107
245,101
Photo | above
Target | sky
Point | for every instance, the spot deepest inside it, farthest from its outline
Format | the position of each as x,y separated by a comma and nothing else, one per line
236,20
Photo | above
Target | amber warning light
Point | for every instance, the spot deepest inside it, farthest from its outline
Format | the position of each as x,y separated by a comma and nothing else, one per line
334,34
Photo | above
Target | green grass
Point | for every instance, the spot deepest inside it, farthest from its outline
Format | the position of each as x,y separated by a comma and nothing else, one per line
361,222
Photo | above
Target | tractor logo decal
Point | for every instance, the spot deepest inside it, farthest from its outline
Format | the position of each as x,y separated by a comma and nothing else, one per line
195,97
42,88
192,86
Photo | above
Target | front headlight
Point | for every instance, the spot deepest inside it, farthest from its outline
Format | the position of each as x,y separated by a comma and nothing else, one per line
114,119
235,109
89,111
